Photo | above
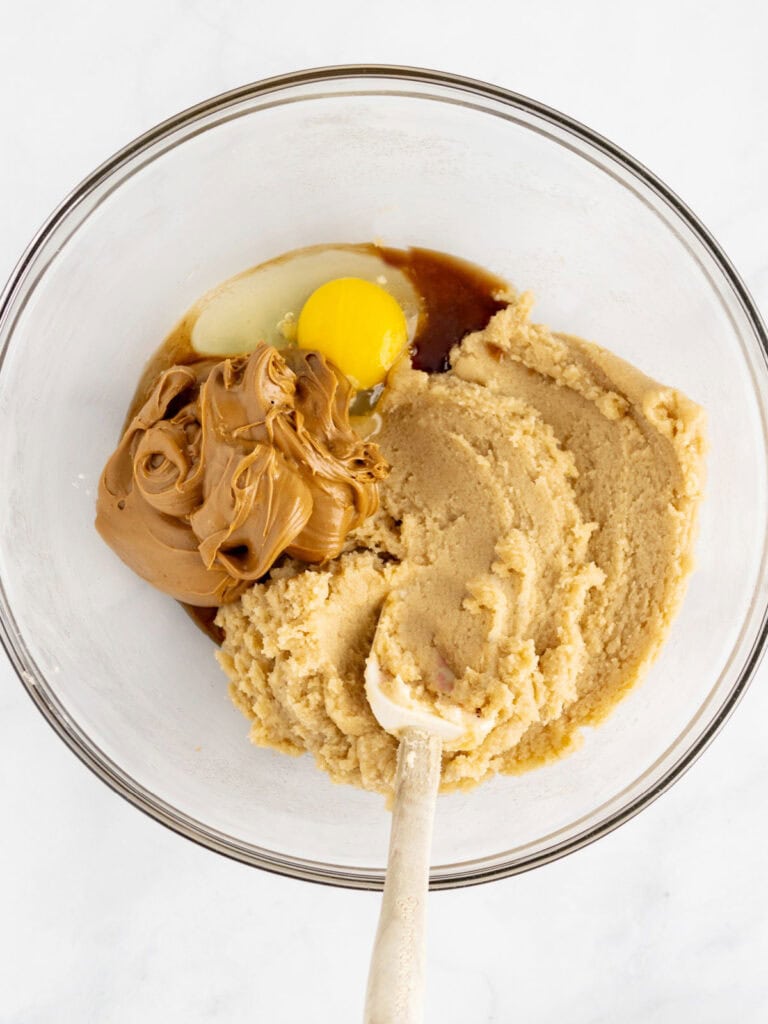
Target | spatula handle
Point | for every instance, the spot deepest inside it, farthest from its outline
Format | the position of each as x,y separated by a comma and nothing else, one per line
396,978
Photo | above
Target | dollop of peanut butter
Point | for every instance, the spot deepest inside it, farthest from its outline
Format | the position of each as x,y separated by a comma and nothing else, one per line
229,464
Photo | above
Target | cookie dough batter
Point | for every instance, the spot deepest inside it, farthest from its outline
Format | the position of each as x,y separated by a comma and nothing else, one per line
530,550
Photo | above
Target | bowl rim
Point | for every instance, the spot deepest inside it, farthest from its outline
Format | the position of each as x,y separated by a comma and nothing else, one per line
33,681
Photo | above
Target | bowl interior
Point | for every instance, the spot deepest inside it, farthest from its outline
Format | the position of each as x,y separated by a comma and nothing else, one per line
123,670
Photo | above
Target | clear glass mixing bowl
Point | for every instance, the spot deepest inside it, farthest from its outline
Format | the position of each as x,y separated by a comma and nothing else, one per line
354,154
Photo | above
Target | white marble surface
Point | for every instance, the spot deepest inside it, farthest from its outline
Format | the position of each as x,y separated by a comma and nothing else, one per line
106,917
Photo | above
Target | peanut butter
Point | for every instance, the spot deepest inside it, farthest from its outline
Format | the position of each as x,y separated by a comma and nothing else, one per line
227,465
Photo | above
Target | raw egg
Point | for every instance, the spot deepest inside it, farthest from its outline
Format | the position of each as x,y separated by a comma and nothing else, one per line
358,325
375,318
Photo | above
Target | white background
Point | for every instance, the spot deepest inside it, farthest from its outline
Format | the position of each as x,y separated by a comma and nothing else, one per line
106,917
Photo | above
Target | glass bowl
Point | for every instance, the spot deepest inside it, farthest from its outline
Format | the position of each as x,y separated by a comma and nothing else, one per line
355,154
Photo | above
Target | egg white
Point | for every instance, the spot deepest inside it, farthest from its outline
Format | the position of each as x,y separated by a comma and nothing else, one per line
263,304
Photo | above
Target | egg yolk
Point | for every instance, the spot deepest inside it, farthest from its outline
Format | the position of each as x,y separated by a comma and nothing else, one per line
358,325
